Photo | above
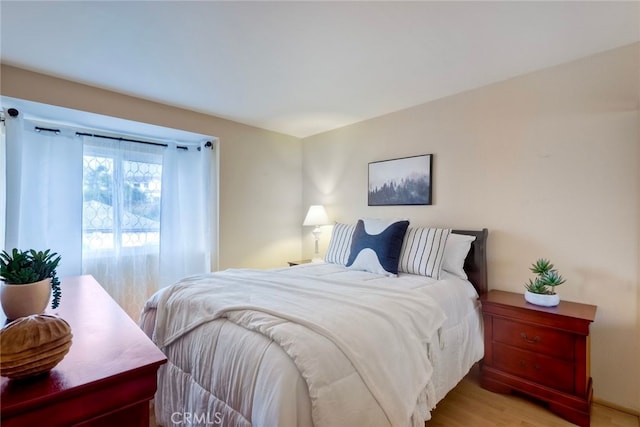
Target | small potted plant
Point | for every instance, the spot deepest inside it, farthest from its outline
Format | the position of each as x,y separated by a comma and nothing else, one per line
541,290
29,280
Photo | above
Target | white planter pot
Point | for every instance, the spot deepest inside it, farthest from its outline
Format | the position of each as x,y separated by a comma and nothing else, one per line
541,299
25,300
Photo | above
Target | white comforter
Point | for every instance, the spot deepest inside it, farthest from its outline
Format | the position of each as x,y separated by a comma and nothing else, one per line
325,327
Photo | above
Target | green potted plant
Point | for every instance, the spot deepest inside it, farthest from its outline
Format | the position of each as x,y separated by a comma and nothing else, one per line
541,290
29,280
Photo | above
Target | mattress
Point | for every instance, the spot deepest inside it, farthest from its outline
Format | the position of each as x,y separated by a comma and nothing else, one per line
223,372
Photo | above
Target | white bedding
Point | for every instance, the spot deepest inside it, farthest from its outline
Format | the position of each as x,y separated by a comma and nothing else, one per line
220,368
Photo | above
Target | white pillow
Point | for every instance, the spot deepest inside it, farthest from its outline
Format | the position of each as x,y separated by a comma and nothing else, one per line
455,252
340,244
423,251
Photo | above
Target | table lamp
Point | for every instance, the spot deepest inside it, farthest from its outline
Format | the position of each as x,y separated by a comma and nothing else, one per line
316,216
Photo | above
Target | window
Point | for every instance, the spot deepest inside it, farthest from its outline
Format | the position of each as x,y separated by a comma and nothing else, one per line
121,200
134,213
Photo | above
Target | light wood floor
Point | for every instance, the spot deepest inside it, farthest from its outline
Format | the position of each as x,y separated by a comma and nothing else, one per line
470,405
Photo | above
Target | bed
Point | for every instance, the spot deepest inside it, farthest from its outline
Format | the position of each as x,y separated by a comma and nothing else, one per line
315,344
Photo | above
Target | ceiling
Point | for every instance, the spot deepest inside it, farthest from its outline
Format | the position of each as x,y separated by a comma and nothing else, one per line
302,68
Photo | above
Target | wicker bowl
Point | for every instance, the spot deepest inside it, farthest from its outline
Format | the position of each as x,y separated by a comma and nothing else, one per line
33,345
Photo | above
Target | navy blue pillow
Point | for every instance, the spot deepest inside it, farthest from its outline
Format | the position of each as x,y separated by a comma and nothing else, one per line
376,245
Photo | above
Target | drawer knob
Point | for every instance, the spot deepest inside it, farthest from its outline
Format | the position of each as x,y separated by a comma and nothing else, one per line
533,340
523,364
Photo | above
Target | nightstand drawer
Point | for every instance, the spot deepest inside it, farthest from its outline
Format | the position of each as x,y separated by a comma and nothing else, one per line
542,369
530,337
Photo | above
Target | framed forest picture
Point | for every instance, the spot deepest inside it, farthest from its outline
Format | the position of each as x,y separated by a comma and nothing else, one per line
404,181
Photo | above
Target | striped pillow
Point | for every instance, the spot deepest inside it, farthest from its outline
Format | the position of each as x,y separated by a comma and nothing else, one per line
340,244
423,251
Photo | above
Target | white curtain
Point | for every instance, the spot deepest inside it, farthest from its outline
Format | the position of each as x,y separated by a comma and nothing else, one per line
135,216
186,200
120,231
44,193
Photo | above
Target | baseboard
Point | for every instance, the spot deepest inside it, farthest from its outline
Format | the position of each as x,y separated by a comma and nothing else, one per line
608,404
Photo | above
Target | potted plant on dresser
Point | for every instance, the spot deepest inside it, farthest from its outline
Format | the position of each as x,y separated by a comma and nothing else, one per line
541,290
29,278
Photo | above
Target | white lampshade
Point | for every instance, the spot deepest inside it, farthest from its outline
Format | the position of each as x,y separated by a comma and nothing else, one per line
316,215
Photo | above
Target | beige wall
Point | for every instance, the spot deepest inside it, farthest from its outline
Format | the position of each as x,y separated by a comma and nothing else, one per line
260,171
549,162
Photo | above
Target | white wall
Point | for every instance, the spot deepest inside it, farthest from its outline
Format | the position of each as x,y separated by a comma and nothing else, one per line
549,162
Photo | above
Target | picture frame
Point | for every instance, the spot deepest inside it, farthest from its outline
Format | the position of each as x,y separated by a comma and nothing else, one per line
402,181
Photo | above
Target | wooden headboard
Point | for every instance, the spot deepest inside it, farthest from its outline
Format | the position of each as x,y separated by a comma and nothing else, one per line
475,265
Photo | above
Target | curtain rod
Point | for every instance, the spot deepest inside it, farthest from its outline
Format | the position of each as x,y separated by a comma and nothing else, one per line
11,111
118,138
14,113
208,144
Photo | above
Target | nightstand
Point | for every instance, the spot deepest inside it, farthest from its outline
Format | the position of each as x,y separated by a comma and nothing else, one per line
542,352
300,261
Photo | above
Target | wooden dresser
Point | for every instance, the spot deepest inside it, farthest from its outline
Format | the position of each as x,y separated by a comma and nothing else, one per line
106,379
542,352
